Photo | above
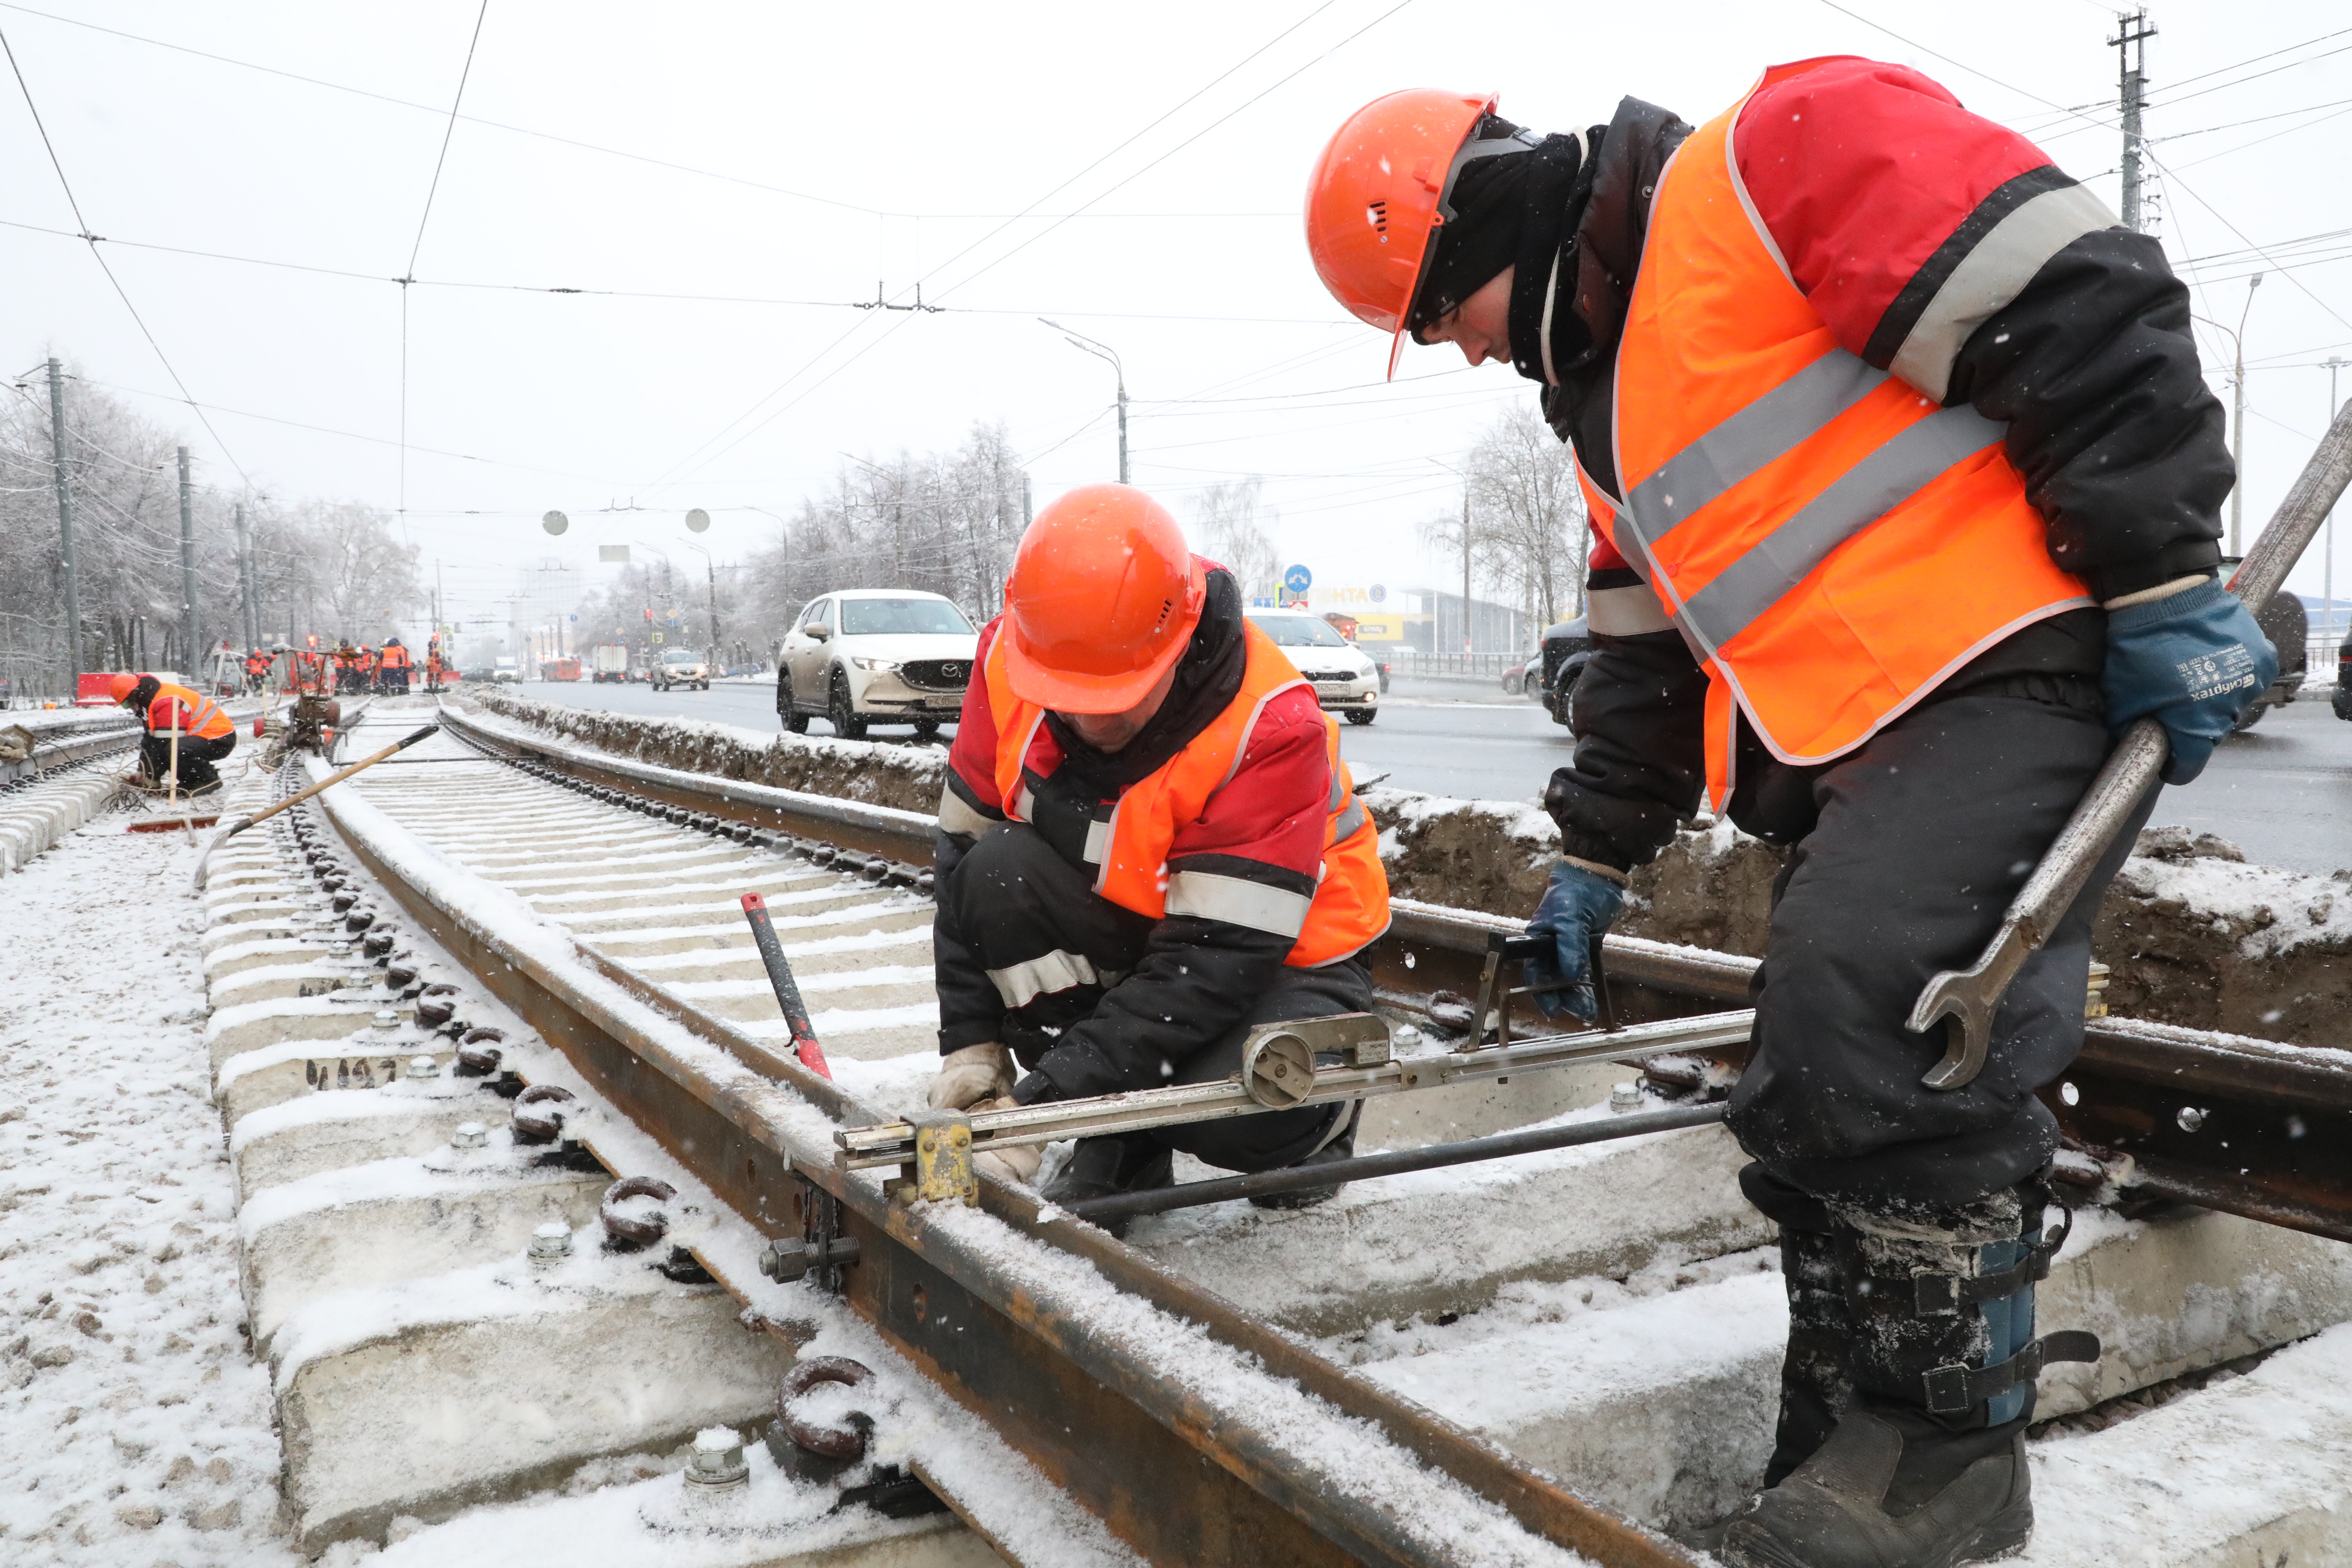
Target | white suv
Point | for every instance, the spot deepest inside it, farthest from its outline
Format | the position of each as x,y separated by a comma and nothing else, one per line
864,656
681,666
1346,680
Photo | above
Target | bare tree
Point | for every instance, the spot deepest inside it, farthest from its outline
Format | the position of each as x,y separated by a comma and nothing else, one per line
946,522
1226,516
329,569
1529,532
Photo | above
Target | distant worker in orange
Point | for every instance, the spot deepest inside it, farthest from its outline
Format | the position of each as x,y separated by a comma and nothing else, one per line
256,669
205,733
391,668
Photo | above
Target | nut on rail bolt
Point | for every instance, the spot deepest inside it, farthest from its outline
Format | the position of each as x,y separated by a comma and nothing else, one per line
943,1169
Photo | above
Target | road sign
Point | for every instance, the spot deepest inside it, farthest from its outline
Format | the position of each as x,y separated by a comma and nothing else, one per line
1379,595
658,637
1298,579
555,522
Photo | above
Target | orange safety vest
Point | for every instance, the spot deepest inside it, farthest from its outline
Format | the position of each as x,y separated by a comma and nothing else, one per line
396,658
1350,905
1830,544
201,718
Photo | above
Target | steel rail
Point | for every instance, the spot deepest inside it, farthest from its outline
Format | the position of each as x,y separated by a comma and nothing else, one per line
1175,1469
892,1142
1394,1162
2221,1122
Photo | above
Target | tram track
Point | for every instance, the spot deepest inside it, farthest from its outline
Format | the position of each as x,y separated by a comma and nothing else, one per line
1188,1391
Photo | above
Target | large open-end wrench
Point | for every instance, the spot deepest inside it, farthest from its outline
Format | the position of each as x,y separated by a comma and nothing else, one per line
1966,999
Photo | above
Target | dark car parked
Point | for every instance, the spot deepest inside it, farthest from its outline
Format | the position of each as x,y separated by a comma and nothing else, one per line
1567,646
2288,625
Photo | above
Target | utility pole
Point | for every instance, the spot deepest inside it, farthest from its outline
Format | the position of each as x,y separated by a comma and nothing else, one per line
1103,351
195,644
64,529
2130,44
1465,573
2327,569
2238,441
244,582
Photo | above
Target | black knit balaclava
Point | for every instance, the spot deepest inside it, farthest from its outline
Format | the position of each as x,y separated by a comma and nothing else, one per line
1515,208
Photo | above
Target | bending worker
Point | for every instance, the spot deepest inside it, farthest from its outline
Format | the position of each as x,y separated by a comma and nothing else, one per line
206,735
1905,484
1148,843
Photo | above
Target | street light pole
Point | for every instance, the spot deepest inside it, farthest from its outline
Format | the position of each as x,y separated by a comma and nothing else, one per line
1103,351
2327,569
65,531
2238,447
710,574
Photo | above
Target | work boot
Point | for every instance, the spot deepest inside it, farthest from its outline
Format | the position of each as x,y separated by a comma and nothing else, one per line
1110,1166
1343,1147
1815,1388
210,786
1927,1468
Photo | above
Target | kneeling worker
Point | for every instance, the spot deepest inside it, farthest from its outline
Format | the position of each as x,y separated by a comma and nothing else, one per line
206,735
1148,843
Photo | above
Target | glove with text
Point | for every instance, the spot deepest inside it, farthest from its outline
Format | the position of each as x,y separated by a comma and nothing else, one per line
1574,910
2193,663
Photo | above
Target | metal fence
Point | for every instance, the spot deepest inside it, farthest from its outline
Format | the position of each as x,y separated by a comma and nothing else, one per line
1459,665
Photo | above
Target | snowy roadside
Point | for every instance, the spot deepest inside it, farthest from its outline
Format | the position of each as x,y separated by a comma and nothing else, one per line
134,1428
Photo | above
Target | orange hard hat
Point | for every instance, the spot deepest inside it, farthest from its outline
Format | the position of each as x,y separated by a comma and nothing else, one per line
121,685
1103,597
1375,197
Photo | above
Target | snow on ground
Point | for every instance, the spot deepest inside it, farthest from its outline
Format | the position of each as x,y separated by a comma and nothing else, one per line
134,1428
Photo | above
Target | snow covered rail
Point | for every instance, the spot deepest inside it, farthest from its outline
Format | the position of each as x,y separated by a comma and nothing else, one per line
67,777
1391,1377
1194,1430
2218,1120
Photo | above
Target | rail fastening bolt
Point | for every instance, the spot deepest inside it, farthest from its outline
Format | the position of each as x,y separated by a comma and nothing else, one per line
471,1135
1624,1098
423,1066
550,1243
387,1018
717,1463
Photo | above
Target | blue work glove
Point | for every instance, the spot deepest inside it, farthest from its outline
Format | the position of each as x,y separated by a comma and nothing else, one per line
1574,910
2193,663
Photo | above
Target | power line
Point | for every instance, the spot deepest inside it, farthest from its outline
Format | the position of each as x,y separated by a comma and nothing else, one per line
72,202
1129,178
408,274
2234,228
657,295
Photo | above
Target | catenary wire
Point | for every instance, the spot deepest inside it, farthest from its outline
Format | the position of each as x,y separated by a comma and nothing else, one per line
120,293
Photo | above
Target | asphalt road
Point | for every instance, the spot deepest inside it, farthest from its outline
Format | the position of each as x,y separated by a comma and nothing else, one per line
2282,792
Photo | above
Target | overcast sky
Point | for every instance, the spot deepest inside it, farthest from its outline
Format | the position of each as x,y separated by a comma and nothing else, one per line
748,171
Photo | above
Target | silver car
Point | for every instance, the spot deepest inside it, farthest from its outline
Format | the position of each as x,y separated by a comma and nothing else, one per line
867,656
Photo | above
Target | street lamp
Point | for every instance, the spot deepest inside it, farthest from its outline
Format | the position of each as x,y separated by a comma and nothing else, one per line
710,573
2238,388
1103,351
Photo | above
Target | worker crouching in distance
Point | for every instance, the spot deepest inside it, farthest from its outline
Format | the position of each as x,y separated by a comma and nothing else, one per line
205,737
1904,484
1148,843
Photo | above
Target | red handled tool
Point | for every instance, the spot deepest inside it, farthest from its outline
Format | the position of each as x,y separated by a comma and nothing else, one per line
788,990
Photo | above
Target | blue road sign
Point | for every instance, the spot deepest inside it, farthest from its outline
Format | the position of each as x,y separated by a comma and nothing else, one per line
1379,595
1298,579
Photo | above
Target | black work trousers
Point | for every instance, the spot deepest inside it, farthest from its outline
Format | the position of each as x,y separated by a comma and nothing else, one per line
197,756
1906,852
1020,922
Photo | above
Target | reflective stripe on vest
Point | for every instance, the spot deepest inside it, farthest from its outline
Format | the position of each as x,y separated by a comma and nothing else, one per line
203,720
1829,543
1350,906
